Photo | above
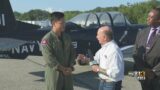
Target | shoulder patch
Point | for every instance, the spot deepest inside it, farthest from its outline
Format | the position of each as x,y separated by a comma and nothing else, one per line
44,42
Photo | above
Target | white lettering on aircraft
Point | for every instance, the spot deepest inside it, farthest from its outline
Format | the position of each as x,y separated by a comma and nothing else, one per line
27,48
39,44
2,20
74,44
24,49
32,47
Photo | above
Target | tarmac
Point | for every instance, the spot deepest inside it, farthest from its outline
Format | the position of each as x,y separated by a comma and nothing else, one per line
28,74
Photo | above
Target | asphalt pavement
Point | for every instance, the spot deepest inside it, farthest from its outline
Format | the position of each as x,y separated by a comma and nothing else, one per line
28,74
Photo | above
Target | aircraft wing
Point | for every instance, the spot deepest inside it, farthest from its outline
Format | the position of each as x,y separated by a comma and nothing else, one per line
126,47
127,51
9,43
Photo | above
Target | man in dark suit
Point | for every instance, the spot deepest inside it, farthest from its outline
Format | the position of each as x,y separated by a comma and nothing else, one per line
147,51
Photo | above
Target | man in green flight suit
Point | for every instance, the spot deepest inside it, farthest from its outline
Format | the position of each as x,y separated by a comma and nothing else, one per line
59,55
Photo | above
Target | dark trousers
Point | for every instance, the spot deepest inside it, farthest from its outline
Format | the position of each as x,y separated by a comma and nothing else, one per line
118,85
153,84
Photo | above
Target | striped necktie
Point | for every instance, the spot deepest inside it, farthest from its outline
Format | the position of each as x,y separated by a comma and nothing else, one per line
151,38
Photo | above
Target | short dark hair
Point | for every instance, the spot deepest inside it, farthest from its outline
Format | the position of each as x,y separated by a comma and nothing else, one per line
55,16
157,9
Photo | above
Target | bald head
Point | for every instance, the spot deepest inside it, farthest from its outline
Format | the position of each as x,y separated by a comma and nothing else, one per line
107,31
104,34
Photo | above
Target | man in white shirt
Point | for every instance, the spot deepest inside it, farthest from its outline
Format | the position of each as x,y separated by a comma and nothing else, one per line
108,61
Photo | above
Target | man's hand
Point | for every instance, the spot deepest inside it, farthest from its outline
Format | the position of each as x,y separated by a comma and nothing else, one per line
67,71
81,56
149,74
82,59
95,68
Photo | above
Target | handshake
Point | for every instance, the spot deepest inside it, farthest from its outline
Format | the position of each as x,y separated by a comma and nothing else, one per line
82,59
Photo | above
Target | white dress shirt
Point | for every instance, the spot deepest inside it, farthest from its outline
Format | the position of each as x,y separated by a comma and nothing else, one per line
151,31
110,58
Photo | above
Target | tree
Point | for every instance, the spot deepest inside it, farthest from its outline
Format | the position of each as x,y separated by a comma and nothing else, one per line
70,14
36,14
137,13
17,15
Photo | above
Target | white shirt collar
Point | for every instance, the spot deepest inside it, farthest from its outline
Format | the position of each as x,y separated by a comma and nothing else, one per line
106,44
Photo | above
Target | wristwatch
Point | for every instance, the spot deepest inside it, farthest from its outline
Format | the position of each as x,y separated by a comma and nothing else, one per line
93,63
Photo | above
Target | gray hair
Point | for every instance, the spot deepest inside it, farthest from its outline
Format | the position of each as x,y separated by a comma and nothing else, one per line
107,31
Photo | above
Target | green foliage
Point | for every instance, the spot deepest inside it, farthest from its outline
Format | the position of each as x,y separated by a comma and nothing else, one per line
17,15
36,14
136,13
70,14
99,9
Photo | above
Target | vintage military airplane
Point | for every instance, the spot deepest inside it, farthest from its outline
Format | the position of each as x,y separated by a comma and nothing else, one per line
83,29
18,39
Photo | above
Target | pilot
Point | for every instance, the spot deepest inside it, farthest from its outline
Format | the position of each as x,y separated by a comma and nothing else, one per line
59,55
108,61
147,51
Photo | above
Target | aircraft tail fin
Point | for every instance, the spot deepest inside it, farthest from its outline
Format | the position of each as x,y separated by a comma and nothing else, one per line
7,19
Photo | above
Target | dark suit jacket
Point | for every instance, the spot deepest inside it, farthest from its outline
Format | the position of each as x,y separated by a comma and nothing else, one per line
147,59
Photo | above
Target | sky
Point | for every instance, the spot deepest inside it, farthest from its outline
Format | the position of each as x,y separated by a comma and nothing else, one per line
66,5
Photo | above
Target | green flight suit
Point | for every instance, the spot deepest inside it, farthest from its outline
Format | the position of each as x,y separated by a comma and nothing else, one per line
57,52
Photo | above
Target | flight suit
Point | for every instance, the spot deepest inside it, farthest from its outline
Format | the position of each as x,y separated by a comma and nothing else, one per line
57,52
